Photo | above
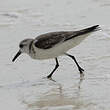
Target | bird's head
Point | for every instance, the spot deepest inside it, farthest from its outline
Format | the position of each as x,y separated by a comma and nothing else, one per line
24,48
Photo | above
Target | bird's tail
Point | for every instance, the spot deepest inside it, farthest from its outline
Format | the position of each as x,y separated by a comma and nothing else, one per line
83,32
90,29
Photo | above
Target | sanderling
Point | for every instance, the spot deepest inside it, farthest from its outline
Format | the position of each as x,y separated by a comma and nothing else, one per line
54,44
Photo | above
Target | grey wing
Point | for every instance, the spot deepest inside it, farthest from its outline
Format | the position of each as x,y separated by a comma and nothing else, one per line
49,40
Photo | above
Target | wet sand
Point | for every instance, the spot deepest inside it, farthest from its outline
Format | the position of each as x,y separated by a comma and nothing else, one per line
23,85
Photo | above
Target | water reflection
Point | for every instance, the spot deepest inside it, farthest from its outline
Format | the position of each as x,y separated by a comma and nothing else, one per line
57,96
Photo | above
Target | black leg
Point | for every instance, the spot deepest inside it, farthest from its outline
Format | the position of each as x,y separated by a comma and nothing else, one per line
79,68
56,66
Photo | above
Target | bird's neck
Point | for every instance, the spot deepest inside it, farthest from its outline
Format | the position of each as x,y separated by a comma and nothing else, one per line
32,52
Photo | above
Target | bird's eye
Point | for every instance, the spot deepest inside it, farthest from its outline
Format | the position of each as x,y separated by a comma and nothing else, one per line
21,45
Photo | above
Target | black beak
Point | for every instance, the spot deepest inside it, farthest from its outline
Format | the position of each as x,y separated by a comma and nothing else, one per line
19,53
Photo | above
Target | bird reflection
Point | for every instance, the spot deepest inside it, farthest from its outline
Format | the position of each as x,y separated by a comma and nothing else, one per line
79,83
55,95
81,80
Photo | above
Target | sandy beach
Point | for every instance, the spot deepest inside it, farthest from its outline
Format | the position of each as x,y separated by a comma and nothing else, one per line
23,85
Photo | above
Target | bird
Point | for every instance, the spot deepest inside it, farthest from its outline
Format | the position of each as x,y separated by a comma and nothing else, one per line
51,45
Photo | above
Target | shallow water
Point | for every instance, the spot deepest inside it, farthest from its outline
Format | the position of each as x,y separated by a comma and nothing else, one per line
23,85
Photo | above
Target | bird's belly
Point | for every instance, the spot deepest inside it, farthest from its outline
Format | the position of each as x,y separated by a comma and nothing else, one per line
59,49
47,53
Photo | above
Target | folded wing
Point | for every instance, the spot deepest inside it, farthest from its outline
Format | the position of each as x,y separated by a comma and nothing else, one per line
51,39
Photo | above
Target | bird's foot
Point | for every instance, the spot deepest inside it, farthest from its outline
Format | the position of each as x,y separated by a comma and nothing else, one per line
50,78
81,70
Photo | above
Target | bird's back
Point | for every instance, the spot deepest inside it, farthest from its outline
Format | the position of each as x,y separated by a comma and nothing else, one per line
48,40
